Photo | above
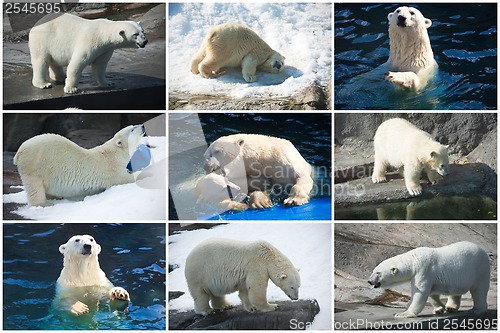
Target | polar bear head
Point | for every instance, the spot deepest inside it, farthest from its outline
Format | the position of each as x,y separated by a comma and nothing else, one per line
438,160
408,17
132,34
124,143
274,64
214,188
80,246
289,282
222,152
393,271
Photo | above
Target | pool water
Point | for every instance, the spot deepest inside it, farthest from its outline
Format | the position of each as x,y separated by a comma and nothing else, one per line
464,41
132,256
310,133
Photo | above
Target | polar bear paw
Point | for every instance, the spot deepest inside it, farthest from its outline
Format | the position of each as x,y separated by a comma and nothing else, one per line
406,314
405,80
378,179
119,293
296,200
79,308
259,199
250,78
414,190
70,90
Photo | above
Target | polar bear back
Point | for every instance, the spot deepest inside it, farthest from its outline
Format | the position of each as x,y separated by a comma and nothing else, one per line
397,142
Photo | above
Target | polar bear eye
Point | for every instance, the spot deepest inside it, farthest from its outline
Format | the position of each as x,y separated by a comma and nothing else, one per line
412,13
77,240
91,240
397,11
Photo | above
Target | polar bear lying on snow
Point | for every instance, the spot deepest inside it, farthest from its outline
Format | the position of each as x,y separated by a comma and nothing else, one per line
52,166
411,60
68,40
217,267
400,144
259,163
451,270
235,45
82,283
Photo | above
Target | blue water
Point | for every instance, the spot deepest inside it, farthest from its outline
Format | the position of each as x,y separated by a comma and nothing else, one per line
464,41
132,256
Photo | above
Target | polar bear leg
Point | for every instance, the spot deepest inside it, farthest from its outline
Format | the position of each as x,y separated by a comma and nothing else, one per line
40,72
405,80
417,303
437,305
379,169
412,181
249,68
57,73
433,176
195,63
479,297
35,191
259,199
243,294
258,299
453,303
99,69
299,193
208,67
201,302
219,303
74,72
229,204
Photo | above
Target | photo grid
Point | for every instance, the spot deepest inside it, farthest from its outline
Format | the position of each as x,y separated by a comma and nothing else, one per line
330,166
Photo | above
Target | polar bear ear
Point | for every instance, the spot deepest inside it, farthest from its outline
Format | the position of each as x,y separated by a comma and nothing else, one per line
97,248
283,276
434,154
389,16
122,33
119,143
394,270
62,248
428,23
240,142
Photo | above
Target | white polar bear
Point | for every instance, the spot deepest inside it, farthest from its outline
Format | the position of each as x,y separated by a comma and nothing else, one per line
82,283
52,166
234,45
398,143
257,162
411,60
450,270
214,189
217,267
68,40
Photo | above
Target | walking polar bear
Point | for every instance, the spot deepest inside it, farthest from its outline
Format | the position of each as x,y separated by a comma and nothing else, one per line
235,45
53,167
82,283
451,270
68,40
258,163
400,144
217,267
411,61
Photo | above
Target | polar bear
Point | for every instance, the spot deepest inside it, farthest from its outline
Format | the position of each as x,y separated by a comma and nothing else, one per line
411,60
52,166
68,40
257,162
214,189
234,45
450,270
398,143
217,267
82,283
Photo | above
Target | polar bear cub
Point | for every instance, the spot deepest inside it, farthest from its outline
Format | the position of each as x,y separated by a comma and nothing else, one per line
82,283
411,60
398,143
68,40
451,270
53,167
217,267
235,45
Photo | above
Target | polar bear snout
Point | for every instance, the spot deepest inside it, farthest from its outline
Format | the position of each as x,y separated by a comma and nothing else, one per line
142,44
374,280
277,65
87,249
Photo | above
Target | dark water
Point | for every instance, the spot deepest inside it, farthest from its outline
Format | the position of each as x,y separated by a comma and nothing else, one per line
310,133
464,41
132,256
439,208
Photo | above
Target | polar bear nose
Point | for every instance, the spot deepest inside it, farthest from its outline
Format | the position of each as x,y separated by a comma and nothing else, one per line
86,249
401,20
277,65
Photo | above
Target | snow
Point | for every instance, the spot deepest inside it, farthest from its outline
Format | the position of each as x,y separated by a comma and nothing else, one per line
307,245
301,32
125,202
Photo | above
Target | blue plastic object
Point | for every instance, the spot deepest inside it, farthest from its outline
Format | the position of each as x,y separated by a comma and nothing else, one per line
141,158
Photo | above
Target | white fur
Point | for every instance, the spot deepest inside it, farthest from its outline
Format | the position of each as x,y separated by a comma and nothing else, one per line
398,143
217,267
256,162
68,40
234,45
411,60
213,190
52,166
451,270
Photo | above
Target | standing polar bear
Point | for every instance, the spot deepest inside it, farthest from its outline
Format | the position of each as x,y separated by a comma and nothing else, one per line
411,61
82,283
217,267
451,270
68,40
235,45
257,163
52,166
400,144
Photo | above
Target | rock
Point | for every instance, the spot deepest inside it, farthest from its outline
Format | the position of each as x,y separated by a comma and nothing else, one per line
284,318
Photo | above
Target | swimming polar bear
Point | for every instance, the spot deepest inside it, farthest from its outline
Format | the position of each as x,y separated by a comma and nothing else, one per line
52,166
68,40
82,283
235,45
